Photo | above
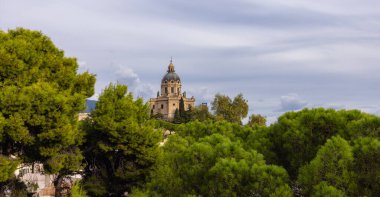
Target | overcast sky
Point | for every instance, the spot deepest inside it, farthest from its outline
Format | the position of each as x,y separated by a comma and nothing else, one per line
282,55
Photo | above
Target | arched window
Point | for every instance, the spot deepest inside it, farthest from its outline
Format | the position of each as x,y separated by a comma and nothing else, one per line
172,90
166,90
162,106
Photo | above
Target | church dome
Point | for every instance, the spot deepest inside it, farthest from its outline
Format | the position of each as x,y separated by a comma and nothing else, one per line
171,75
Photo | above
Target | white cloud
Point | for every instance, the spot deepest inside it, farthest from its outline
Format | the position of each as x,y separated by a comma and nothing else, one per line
291,102
127,76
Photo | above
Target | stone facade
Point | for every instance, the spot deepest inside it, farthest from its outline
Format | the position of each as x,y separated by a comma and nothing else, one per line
168,100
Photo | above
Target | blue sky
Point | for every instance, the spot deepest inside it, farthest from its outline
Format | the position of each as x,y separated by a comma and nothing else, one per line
282,55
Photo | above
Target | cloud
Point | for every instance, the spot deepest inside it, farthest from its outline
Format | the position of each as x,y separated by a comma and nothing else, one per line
291,102
202,95
327,50
83,67
145,91
129,77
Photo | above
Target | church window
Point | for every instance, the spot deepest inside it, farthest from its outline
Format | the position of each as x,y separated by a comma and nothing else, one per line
172,90
153,106
173,104
166,90
162,106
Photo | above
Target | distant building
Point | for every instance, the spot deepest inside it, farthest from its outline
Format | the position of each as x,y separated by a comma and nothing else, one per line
83,116
168,100
38,182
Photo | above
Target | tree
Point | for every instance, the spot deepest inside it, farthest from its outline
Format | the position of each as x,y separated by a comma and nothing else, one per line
332,164
181,115
367,165
177,117
240,107
323,189
266,179
7,168
201,113
181,108
41,95
256,120
226,109
297,136
208,159
120,149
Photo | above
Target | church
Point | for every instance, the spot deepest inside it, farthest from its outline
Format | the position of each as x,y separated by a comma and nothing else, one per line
168,100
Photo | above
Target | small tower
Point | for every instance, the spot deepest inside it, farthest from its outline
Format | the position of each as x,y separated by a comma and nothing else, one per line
171,83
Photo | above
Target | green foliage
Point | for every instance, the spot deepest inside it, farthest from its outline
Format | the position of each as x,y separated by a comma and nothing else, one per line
139,193
256,120
323,189
7,168
120,148
232,111
214,162
201,113
181,115
41,95
161,124
196,129
177,117
367,165
15,187
259,139
297,136
181,108
332,164
265,179
77,190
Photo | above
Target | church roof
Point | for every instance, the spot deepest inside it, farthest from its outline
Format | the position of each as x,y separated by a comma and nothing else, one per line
171,75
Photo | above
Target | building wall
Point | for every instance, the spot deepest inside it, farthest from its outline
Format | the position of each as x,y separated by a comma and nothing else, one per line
170,104
166,88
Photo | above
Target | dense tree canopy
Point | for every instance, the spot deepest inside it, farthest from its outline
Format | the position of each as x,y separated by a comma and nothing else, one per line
332,164
41,95
297,136
120,148
366,151
210,159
